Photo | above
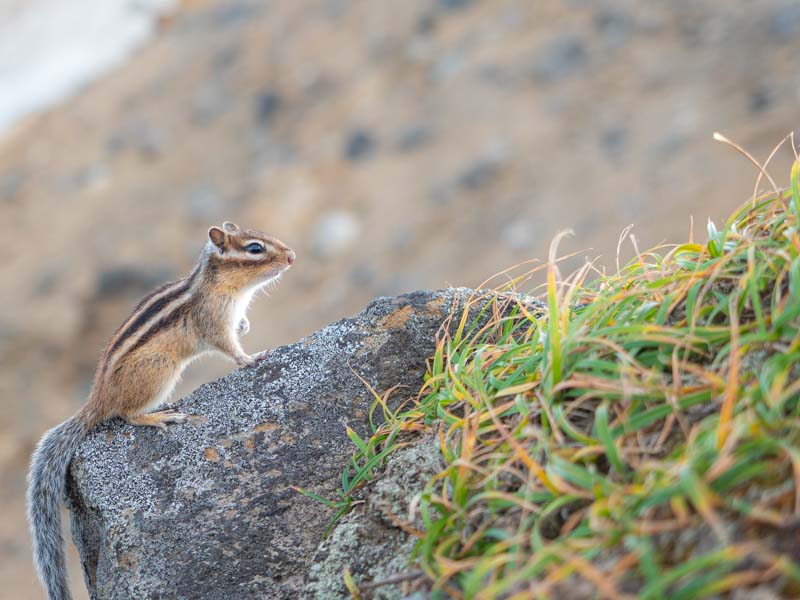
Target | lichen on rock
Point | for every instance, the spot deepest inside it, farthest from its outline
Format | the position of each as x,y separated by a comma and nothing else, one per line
372,542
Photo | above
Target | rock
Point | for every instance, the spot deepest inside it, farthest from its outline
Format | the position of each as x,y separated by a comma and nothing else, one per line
147,139
448,66
479,173
10,184
613,142
520,234
368,541
268,151
359,145
336,9
335,232
784,24
91,176
454,4
413,137
499,75
401,239
209,102
152,142
48,280
476,175
233,14
131,281
426,22
562,56
268,103
225,58
670,145
362,275
207,509
762,99
615,26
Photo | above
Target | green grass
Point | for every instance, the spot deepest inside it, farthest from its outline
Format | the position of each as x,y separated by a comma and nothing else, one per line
639,438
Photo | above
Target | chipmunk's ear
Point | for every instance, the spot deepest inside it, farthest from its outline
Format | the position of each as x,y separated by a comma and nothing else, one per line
230,227
217,237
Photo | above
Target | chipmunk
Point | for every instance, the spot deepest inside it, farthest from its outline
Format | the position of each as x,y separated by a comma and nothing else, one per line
204,311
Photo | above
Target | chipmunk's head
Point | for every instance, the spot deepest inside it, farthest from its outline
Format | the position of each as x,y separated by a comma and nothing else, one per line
246,258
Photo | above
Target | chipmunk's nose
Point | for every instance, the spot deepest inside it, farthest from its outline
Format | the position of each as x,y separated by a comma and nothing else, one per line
291,257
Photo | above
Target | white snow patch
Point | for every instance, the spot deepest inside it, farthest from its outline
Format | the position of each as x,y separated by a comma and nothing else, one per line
49,49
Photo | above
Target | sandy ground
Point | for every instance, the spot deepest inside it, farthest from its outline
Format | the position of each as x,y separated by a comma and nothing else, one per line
395,146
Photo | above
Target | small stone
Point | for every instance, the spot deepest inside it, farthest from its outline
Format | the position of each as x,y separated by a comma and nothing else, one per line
613,141
91,176
785,23
362,275
559,58
335,9
400,239
360,145
498,75
225,58
116,143
448,66
392,284
615,26
48,280
10,184
761,99
335,232
129,281
151,142
670,145
454,5
267,152
519,234
426,23
478,174
233,14
141,136
209,102
413,137
268,103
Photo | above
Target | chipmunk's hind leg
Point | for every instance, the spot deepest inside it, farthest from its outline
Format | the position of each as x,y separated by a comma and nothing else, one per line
158,419
145,382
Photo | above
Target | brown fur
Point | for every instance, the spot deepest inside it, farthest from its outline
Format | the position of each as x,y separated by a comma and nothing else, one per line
143,360
178,322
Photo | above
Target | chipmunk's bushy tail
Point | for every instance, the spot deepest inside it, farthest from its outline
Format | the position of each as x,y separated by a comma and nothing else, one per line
46,488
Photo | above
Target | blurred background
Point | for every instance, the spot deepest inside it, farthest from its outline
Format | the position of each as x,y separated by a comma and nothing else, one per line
393,145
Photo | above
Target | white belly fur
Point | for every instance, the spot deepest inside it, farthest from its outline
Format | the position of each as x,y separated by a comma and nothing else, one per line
240,309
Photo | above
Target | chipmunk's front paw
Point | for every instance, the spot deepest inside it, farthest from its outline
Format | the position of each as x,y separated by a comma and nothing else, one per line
259,356
244,327
245,360
249,360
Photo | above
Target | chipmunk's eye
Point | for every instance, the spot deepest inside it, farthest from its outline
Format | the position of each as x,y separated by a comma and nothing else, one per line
255,248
